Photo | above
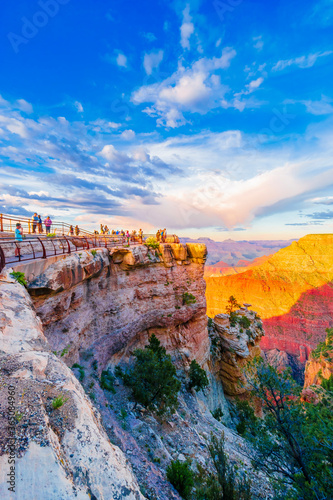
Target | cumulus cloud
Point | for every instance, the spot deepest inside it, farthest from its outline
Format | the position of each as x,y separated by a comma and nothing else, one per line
195,89
25,106
152,61
121,60
186,29
301,62
128,135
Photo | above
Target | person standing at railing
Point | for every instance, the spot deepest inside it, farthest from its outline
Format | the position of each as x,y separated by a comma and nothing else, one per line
34,222
140,236
18,238
40,224
71,231
48,224
158,235
77,230
164,235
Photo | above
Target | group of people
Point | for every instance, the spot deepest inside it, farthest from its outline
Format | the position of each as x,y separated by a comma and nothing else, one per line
37,224
74,230
161,235
125,235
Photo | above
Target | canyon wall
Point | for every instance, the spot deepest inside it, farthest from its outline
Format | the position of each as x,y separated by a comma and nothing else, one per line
58,454
109,304
292,291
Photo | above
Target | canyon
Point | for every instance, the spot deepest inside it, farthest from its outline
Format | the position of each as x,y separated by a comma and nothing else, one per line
292,292
85,313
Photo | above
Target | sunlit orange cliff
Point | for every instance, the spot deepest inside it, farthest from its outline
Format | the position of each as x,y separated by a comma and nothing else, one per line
292,291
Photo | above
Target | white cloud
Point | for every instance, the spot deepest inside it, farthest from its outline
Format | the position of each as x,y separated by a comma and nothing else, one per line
100,125
78,106
121,60
128,135
193,89
110,153
152,61
255,84
258,43
302,61
322,107
186,29
149,36
24,106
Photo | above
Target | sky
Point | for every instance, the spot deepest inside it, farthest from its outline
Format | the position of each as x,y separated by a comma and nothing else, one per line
212,119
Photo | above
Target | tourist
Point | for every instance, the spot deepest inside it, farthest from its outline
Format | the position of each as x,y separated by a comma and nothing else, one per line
48,224
34,222
102,229
158,235
128,237
77,230
71,230
140,236
164,235
40,224
18,237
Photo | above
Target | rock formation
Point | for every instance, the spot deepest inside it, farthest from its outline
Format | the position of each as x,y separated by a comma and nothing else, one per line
237,343
59,453
320,364
109,305
292,291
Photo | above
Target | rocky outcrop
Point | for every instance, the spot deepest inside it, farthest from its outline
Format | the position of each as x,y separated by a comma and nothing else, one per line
236,342
320,364
59,453
292,291
108,305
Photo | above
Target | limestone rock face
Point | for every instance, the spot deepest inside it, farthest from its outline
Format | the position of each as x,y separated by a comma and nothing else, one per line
292,291
110,305
237,345
61,453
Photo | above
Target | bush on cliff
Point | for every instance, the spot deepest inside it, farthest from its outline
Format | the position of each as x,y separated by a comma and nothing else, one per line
232,305
153,379
179,474
294,443
224,484
198,377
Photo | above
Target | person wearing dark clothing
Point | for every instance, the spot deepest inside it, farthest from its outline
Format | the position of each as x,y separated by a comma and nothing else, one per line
40,224
34,222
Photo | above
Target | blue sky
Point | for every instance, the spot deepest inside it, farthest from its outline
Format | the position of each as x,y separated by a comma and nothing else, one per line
209,118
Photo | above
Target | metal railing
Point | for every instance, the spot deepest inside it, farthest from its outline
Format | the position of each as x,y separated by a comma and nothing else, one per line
8,225
13,252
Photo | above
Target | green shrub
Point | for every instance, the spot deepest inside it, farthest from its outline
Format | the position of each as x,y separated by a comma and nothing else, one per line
179,474
152,243
107,381
223,485
81,371
233,318
218,414
198,376
210,322
232,305
58,402
51,235
153,379
188,298
327,383
93,253
244,322
248,425
19,277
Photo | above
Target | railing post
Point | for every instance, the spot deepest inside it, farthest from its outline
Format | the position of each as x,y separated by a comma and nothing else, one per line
44,251
29,227
68,244
2,259
1,223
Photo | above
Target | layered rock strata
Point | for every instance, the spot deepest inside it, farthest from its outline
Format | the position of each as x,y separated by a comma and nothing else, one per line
292,291
109,304
236,346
